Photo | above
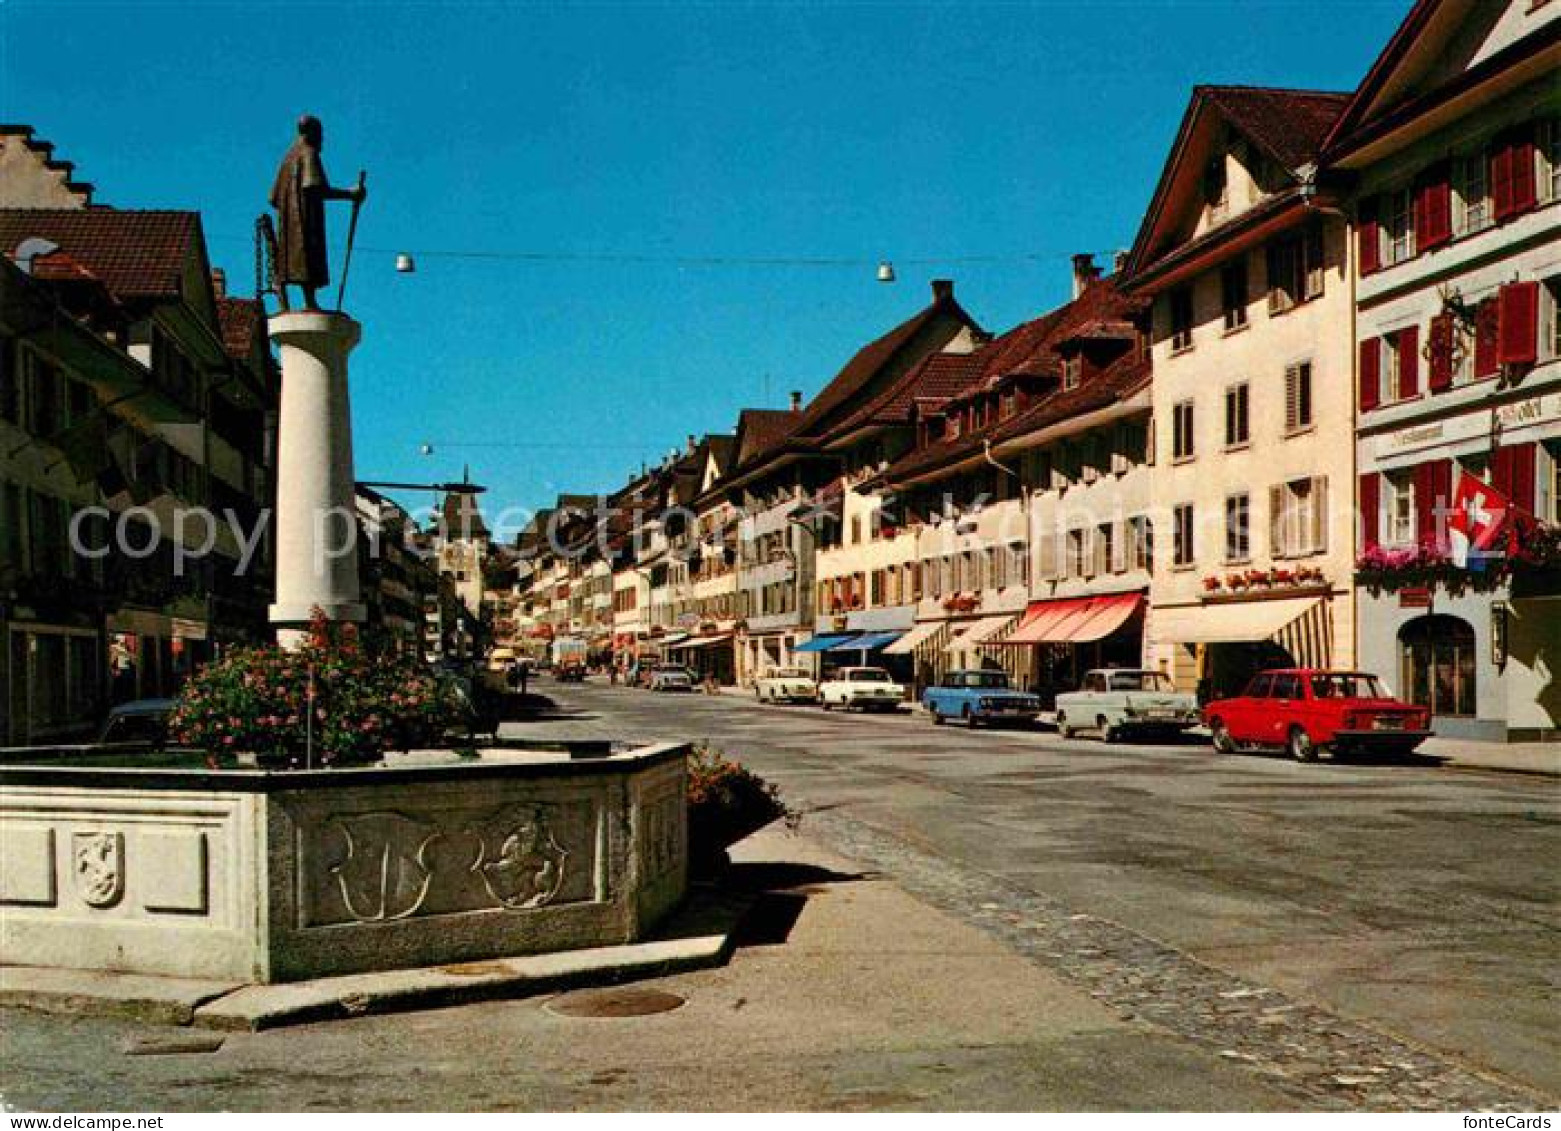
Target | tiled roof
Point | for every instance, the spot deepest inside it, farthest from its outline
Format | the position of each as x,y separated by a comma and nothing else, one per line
239,318
1289,125
937,376
1030,349
1119,381
866,363
761,430
135,254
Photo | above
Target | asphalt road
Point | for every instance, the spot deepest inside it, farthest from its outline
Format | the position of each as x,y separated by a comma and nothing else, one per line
1420,900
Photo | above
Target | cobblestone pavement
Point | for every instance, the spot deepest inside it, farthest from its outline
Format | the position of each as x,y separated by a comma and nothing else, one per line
1377,937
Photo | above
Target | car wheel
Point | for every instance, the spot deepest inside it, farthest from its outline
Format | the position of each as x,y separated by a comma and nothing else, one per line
1300,745
970,719
1063,729
1219,734
1108,733
937,718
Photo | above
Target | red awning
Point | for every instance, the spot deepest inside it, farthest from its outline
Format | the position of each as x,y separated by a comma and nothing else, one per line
1074,620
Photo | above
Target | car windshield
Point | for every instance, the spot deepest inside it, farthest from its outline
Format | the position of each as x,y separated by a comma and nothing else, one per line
1140,681
867,675
985,679
1346,685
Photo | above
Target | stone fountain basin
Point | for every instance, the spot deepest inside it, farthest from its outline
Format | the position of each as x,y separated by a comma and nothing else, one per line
275,876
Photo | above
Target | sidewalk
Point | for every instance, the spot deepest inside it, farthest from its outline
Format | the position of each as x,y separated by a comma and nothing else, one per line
844,994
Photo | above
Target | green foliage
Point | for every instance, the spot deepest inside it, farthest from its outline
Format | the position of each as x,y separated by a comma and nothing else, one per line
363,701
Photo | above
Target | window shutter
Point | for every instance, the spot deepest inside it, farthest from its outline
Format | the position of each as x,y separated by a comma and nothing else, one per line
1276,522
1409,362
1314,260
1119,536
1524,195
1513,474
1370,510
1370,373
1487,316
1501,180
1046,566
1433,208
1517,324
1369,237
1319,531
1292,397
1441,341
1433,494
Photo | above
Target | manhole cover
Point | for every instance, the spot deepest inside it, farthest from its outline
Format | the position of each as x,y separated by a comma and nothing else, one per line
617,1001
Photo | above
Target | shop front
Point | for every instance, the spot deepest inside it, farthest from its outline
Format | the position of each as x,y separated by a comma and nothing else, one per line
1068,636
1226,641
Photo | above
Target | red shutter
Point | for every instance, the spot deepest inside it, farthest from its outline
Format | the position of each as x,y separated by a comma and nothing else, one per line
1409,362
1370,373
1517,324
1370,510
1370,245
1433,208
1485,320
1433,488
1512,473
1501,180
1441,340
1521,171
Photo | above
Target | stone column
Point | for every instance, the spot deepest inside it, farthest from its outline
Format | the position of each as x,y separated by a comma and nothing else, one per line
316,528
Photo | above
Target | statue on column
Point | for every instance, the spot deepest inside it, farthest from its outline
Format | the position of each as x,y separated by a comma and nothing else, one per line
297,241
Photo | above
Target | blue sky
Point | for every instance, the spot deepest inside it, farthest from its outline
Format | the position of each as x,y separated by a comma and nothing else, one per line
1014,133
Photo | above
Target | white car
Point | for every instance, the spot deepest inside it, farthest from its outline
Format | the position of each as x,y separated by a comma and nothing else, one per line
1115,701
671,679
866,689
789,685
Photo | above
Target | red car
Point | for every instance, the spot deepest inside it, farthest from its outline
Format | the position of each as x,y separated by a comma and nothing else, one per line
1306,711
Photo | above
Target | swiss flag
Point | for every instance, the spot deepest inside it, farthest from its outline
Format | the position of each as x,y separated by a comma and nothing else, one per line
1479,515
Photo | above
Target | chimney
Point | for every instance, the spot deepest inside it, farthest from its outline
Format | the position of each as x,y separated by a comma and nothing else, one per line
692,443
796,400
219,282
942,290
1119,262
1084,272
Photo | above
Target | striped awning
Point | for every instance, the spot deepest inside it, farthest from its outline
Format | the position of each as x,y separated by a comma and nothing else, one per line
825,642
1300,625
916,637
970,634
1074,620
867,642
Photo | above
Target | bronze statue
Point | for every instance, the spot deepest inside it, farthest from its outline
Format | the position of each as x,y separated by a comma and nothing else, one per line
299,193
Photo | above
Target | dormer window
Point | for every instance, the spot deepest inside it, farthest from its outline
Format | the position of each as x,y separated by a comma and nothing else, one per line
1072,371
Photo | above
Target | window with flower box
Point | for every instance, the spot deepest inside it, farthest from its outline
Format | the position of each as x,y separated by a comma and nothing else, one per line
1398,506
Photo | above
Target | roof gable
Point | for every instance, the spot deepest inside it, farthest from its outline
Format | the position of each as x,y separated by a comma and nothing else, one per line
1278,134
1439,43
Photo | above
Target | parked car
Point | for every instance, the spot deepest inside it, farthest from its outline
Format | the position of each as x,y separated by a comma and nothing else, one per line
866,689
671,679
143,722
979,697
1306,711
790,685
1118,701
571,672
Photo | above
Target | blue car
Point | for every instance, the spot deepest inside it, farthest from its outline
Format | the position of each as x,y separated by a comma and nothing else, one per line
979,697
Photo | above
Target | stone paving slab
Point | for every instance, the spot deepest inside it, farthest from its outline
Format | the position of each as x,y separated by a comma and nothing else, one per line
142,997
1320,1058
702,933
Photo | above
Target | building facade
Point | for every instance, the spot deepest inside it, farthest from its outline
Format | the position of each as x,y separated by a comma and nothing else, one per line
1452,146
1245,256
